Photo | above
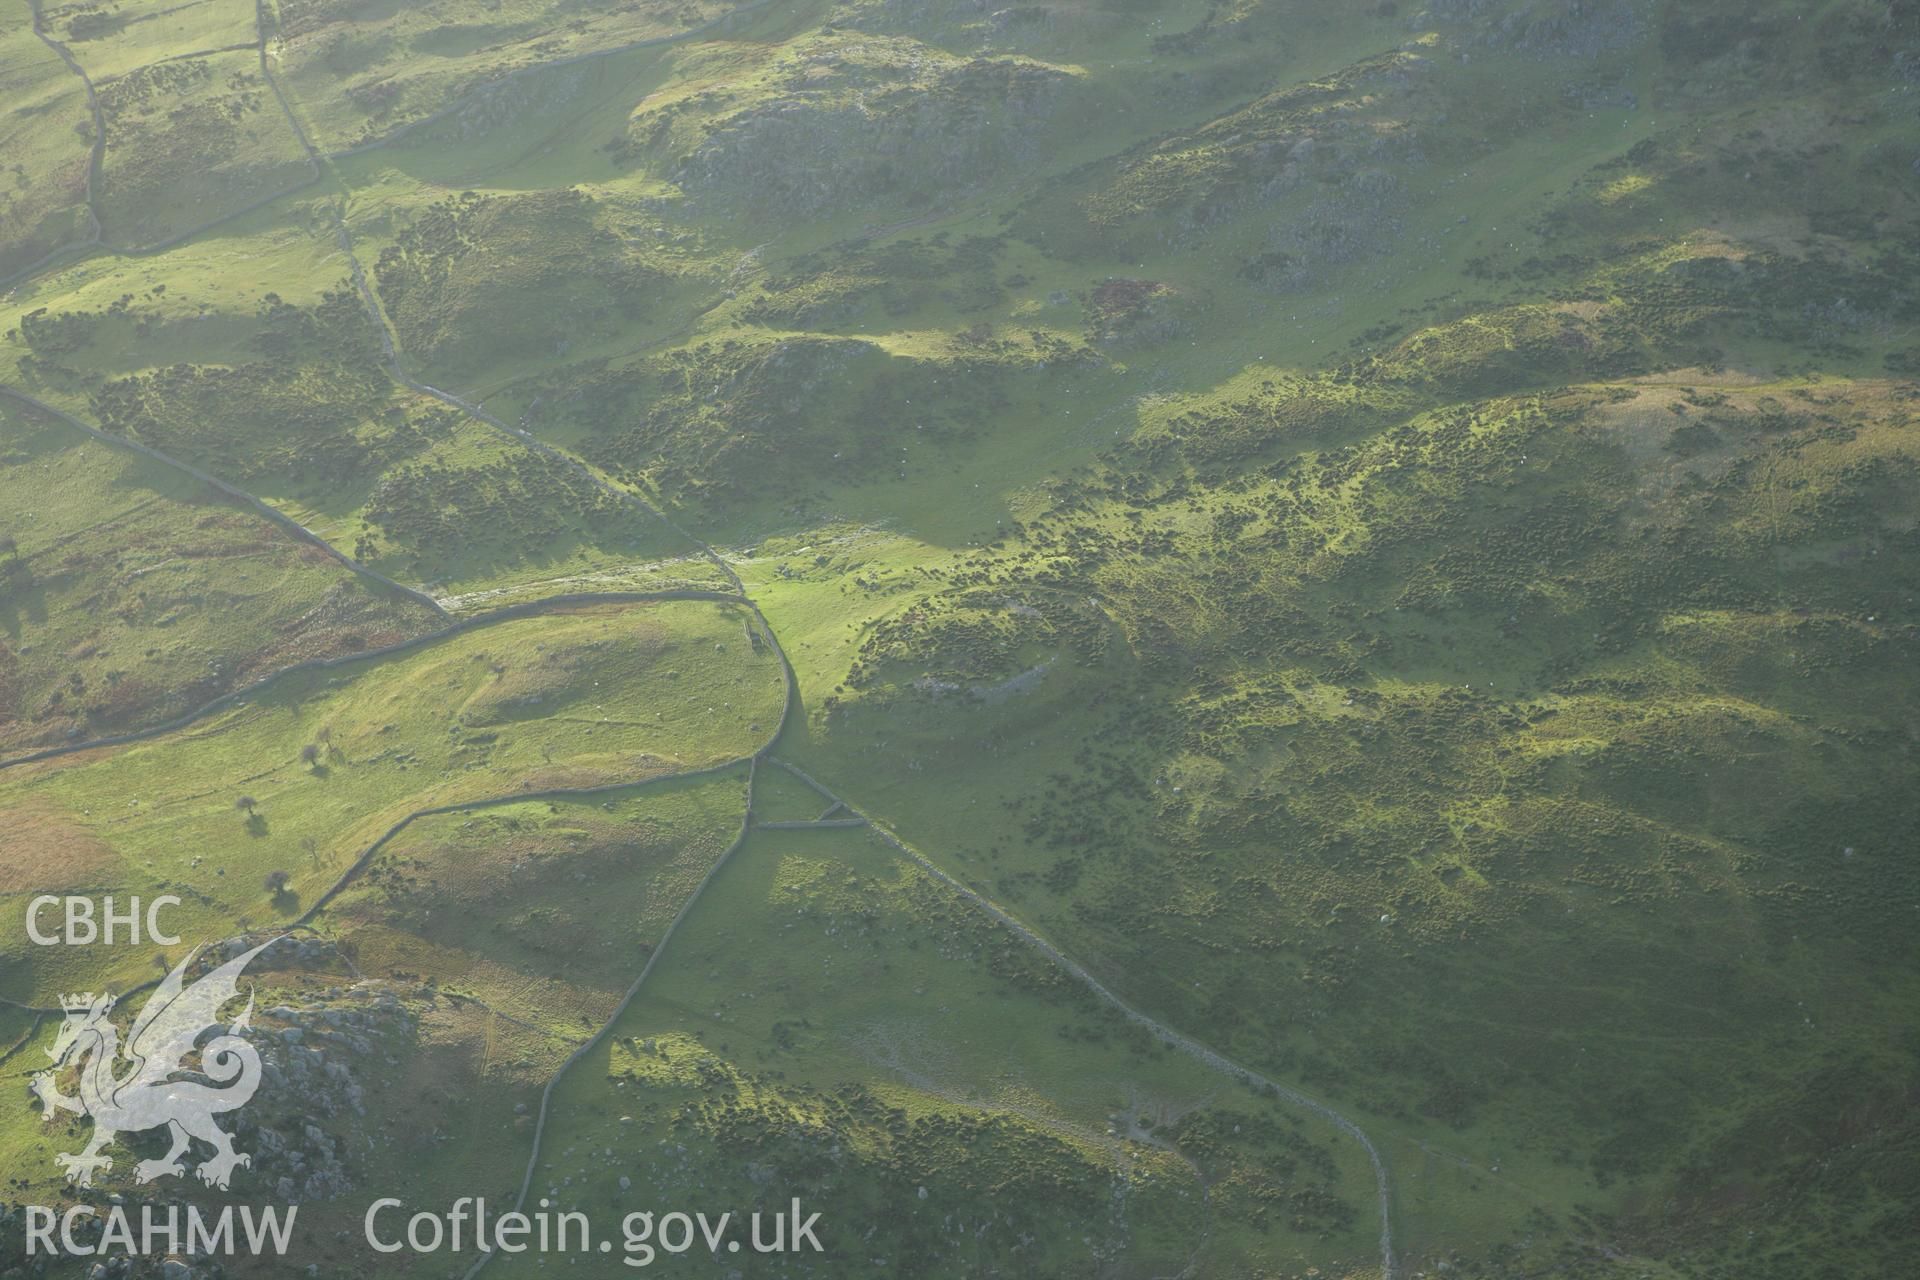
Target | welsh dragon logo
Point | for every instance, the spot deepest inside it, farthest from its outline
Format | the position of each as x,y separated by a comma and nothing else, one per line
162,1045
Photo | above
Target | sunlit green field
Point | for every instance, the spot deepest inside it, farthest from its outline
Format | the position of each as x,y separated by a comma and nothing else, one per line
1384,536
303,777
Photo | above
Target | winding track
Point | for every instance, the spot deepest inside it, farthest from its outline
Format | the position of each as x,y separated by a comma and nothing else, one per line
1185,1043
1194,1048
96,156
239,495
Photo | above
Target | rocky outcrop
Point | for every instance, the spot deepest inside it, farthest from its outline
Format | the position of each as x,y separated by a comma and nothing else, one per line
860,127
1545,28
320,1054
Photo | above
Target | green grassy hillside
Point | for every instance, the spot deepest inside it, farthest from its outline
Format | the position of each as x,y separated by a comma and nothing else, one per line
133,594
835,1020
304,776
1369,552
48,130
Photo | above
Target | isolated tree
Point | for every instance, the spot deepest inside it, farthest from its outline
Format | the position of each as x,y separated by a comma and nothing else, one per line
246,805
9,547
277,882
309,755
